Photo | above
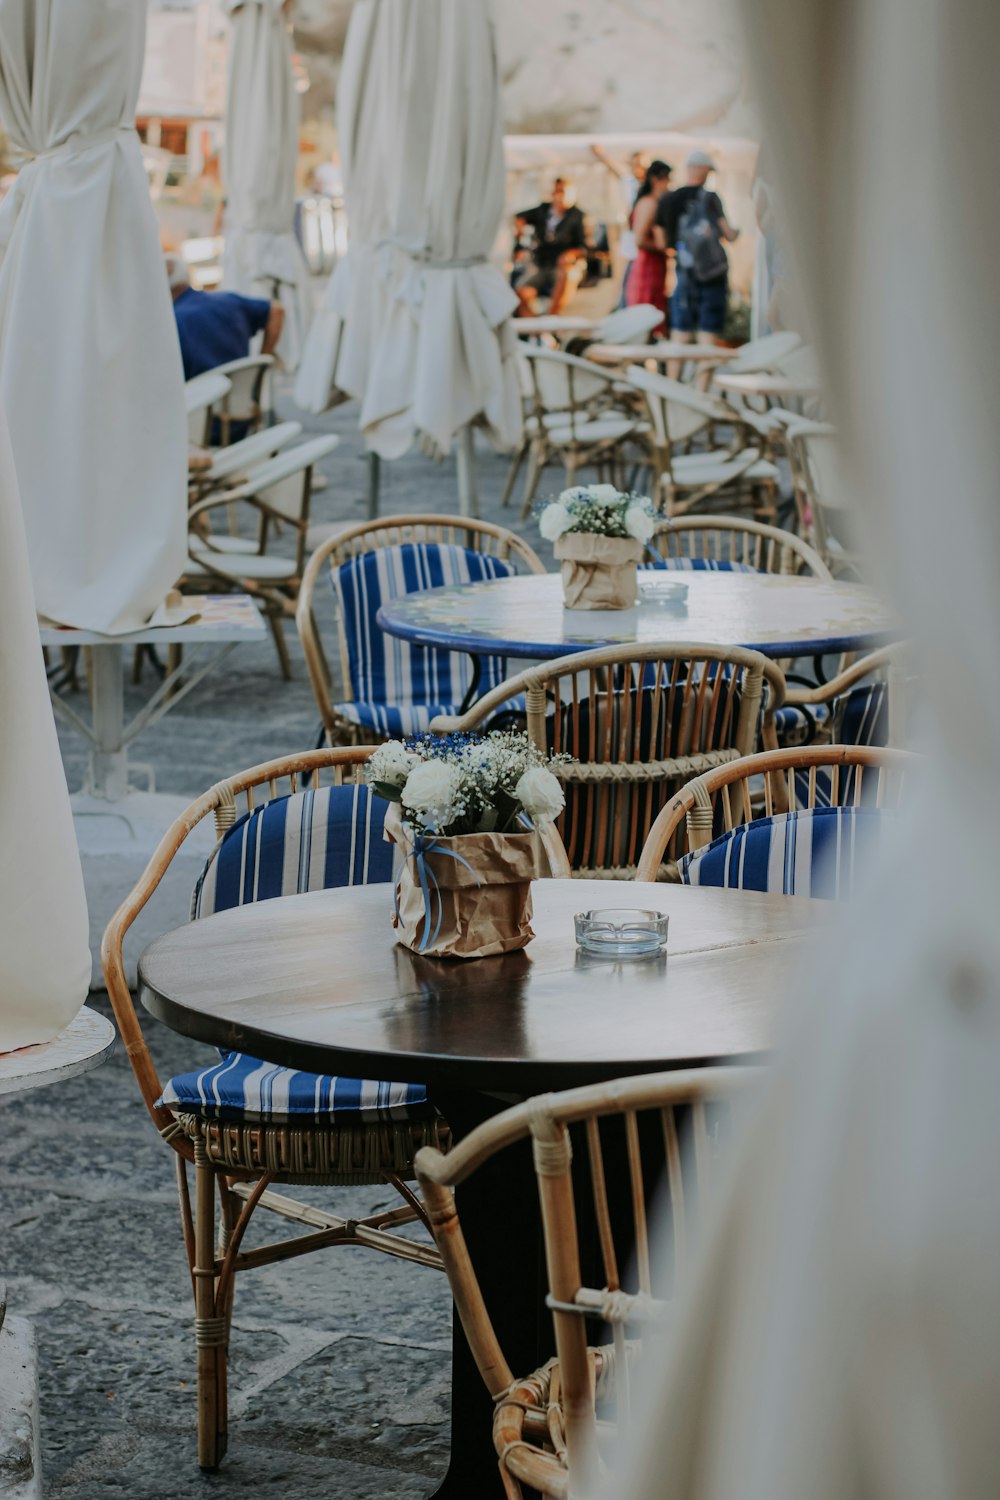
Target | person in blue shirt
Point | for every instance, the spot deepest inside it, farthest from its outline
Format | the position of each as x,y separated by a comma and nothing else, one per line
216,327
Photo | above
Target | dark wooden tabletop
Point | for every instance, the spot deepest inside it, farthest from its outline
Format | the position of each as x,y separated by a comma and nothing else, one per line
318,982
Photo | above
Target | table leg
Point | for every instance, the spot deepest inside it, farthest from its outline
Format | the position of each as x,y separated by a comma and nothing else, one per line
468,485
107,775
472,691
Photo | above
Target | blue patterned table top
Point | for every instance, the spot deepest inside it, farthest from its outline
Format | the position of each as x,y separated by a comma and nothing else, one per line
524,616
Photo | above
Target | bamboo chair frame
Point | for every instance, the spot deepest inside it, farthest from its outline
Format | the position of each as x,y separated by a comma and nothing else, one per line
703,413
888,663
242,1161
546,1430
611,820
692,811
277,598
370,536
767,549
254,370
590,392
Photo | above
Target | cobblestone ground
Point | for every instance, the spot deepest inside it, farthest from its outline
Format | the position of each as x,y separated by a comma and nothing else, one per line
340,1366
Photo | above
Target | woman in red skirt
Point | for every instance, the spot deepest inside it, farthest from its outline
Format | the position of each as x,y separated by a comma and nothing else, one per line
647,279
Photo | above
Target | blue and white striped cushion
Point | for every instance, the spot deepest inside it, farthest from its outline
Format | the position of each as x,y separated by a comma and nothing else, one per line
238,1087
809,853
386,670
701,565
309,841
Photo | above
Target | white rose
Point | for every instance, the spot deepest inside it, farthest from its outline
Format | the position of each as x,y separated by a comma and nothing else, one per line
603,494
638,523
432,790
540,794
392,763
554,520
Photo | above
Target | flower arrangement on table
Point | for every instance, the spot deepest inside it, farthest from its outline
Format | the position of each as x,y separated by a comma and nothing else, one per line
599,534
466,810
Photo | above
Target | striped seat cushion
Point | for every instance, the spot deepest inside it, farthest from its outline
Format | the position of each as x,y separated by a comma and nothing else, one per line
238,1087
701,565
809,853
400,720
387,671
309,841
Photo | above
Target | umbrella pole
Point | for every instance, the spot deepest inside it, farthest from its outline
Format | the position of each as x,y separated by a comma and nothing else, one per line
374,482
468,489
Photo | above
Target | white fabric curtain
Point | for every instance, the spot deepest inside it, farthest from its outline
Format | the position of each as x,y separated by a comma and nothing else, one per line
842,1336
44,957
262,256
90,371
414,321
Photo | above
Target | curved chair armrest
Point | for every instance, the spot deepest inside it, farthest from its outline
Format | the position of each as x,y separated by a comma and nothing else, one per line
555,850
824,692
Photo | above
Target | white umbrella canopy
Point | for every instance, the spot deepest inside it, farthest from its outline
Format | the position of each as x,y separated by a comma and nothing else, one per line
415,321
262,256
44,957
90,369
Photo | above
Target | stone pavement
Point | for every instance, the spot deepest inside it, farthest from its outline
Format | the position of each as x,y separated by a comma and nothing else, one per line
340,1361
340,1365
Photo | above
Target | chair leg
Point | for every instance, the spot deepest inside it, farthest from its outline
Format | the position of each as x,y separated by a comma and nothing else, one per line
211,1330
512,473
277,623
535,457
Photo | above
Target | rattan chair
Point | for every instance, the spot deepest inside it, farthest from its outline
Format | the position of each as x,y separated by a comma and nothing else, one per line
241,409
677,414
734,544
201,393
368,563
243,1160
553,1427
577,421
773,784
279,494
638,721
864,704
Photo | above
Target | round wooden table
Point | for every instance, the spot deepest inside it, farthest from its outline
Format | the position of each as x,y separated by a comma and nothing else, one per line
524,616
317,982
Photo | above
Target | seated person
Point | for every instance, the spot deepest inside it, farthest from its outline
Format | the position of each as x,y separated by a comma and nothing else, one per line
559,241
216,327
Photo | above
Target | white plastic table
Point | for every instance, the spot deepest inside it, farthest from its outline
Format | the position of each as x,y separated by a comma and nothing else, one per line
84,1044
223,620
661,350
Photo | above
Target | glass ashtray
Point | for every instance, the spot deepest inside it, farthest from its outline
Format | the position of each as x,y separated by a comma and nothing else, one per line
618,931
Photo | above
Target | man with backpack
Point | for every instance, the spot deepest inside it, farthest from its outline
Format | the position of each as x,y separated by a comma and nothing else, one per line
695,226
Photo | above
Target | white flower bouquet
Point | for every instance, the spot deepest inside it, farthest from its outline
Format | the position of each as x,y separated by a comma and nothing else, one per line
465,817
599,534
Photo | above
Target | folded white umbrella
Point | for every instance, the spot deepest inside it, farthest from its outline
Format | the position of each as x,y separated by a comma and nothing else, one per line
262,256
414,321
44,957
90,369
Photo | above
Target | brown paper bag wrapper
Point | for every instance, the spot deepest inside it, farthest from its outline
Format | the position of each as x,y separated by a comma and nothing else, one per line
477,920
598,572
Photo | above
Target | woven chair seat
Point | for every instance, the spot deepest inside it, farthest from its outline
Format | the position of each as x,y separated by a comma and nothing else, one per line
334,1154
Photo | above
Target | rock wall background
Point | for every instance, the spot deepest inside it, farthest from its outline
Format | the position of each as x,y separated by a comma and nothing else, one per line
584,65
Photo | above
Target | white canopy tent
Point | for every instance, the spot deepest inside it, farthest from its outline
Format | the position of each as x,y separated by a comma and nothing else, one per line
414,321
44,957
262,256
841,1337
90,370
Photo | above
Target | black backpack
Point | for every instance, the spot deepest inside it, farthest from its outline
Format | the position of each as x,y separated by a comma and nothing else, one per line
700,252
